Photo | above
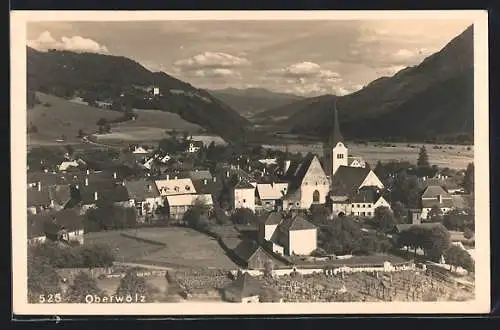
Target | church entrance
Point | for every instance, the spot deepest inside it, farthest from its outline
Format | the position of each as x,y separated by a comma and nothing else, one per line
316,196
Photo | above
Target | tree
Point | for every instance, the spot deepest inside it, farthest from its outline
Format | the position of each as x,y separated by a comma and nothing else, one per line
244,216
81,133
82,286
468,233
343,236
435,214
268,268
436,241
423,158
384,219
42,278
454,220
468,182
455,256
131,284
399,210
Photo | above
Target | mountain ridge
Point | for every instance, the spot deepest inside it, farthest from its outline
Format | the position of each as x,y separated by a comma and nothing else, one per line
123,80
376,110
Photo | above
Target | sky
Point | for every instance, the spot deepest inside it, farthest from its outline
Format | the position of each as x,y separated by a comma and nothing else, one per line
301,57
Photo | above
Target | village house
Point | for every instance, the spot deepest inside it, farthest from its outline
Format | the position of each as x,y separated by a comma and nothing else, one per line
250,255
90,193
245,289
243,195
435,196
194,146
288,234
69,164
180,195
139,150
41,198
269,195
60,226
144,195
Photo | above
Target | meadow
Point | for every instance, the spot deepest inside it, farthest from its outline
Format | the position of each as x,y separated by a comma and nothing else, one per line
452,156
175,247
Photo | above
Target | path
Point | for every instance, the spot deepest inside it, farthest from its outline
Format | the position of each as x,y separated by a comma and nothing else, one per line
131,264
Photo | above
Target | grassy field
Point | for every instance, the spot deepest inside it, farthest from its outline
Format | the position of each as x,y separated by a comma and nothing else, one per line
63,118
185,247
125,249
452,156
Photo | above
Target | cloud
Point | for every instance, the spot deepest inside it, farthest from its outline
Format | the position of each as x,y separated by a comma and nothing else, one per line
219,72
46,41
211,60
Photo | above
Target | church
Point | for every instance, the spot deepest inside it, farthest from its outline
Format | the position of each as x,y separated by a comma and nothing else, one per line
345,187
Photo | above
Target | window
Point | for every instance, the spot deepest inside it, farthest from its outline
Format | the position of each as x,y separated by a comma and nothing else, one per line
369,205
244,200
364,205
188,188
267,203
352,205
369,214
315,196
362,214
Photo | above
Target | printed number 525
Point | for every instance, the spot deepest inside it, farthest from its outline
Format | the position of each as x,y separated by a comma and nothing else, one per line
50,298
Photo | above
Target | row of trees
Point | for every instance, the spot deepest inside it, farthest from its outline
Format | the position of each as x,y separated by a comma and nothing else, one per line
107,216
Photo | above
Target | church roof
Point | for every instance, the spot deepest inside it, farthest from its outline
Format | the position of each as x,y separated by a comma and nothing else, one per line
366,195
297,172
347,180
335,134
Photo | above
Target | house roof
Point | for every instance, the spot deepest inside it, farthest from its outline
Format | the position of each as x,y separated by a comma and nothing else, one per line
434,191
243,184
187,200
207,186
347,180
366,195
246,249
300,171
200,175
105,191
274,191
175,186
37,198
273,218
295,222
46,179
60,194
43,223
141,189
245,286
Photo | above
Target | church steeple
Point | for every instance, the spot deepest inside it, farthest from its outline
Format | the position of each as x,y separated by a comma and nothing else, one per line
335,134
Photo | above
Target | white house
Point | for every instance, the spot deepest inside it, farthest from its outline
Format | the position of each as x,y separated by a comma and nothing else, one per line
144,195
243,195
140,150
179,204
194,146
290,233
356,162
175,186
435,196
64,226
65,165
269,193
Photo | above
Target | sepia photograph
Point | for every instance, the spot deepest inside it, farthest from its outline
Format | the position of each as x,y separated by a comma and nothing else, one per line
314,162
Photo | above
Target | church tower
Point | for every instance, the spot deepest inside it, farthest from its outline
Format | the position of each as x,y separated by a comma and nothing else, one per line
334,149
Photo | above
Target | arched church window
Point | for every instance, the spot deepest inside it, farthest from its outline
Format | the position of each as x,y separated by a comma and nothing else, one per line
316,196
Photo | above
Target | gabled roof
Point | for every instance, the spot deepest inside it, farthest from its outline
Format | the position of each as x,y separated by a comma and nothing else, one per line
38,198
245,286
366,195
141,189
207,186
272,190
175,186
301,170
433,191
105,191
53,221
295,222
273,218
200,175
347,180
246,249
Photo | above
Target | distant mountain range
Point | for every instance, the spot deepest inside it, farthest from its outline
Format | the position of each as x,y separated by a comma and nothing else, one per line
251,101
433,100
115,78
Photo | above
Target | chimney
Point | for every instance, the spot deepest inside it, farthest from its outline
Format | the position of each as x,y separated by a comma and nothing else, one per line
114,175
204,181
39,185
149,187
215,179
95,195
168,177
86,181
88,172
77,187
51,203
175,177
227,174
440,199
